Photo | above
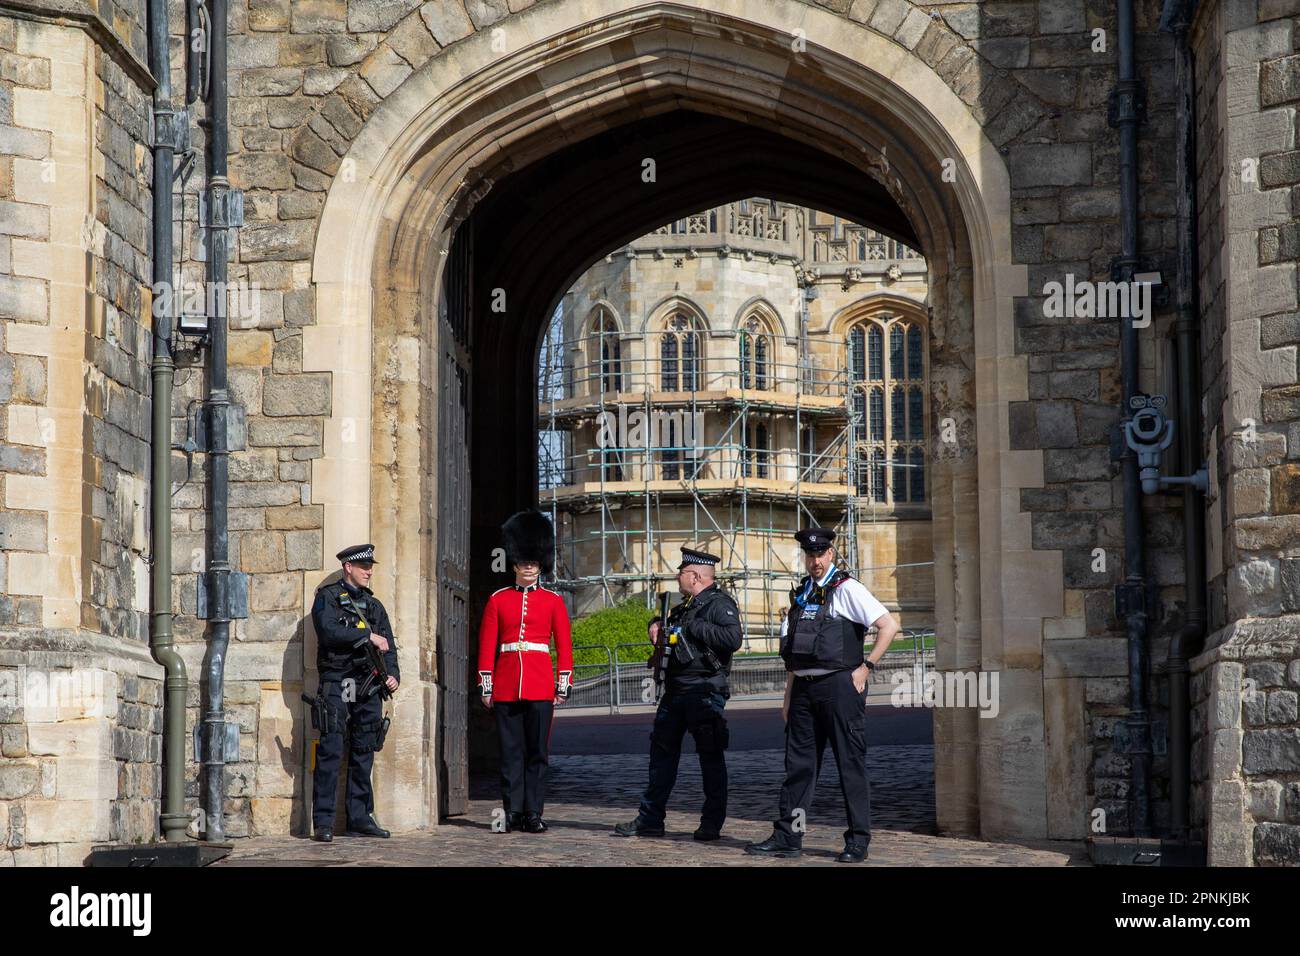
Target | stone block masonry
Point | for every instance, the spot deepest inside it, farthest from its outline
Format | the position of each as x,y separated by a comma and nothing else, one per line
1246,759
79,696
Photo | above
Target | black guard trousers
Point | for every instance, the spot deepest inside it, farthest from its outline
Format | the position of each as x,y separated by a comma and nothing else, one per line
524,729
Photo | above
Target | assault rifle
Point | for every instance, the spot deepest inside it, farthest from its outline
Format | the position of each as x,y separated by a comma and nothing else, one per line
376,679
658,662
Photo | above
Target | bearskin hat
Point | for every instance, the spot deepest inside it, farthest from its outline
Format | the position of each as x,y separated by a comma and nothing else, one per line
528,536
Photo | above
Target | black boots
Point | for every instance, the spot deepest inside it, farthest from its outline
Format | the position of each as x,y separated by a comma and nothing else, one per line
367,828
775,845
525,823
853,853
638,827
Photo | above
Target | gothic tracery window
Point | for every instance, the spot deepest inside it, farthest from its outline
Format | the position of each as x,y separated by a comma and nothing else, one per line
808,469
756,351
888,408
680,364
610,351
679,452
671,454
756,450
606,354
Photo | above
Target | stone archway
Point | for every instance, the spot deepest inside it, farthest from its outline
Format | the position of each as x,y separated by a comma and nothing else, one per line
475,115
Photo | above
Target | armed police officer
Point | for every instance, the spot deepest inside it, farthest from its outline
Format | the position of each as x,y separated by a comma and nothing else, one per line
707,622
825,695
349,619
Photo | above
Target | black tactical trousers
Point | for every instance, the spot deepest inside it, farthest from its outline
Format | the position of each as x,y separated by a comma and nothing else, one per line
524,727
826,708
362,719
700,712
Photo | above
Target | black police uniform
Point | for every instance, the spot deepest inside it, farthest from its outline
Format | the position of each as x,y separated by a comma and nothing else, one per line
824,708
342,668
694,697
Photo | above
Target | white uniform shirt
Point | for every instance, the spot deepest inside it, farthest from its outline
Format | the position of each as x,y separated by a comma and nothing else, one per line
851,600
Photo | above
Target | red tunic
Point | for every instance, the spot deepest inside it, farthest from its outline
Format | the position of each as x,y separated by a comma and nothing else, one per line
514,659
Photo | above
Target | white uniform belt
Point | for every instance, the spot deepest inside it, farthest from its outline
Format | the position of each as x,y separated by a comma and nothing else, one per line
525,646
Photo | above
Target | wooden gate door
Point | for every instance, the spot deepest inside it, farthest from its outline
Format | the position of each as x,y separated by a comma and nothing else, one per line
453,639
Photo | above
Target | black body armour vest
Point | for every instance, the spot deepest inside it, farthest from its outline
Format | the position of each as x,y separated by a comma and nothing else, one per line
336,662
820,641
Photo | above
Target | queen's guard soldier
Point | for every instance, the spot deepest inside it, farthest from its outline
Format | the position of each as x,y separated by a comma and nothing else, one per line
515,670
825,695
695,692
354,680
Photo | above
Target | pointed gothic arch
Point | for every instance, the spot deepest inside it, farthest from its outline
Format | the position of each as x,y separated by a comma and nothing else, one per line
603,343
377,278
756,347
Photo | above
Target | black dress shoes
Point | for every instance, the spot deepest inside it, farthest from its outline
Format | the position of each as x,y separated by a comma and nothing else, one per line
706,834
514,823
638,827
774,846
367,828
323,835
853,853
533,823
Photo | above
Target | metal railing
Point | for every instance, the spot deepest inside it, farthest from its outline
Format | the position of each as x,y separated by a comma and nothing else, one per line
601,367
593,683
622,678
780,224
695,462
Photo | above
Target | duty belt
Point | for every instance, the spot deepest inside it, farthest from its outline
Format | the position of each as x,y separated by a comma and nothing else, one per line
525,646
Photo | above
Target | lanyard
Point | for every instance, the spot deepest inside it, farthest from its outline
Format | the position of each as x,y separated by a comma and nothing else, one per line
802,598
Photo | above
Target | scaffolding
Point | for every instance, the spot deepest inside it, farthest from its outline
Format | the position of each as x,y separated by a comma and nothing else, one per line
744,496
620,496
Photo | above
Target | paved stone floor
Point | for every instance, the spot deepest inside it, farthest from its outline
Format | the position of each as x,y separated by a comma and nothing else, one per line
590,793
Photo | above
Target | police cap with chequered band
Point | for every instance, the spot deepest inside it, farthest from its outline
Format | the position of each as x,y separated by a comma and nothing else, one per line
691,556
358,554
815,540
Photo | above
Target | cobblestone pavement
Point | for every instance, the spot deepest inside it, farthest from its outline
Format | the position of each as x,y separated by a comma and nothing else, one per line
588,794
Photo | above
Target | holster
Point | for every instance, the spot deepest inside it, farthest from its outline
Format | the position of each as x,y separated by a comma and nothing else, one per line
323,718
315,711
713,735
369,738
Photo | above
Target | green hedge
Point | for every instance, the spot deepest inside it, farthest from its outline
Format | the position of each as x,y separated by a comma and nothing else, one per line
622,624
